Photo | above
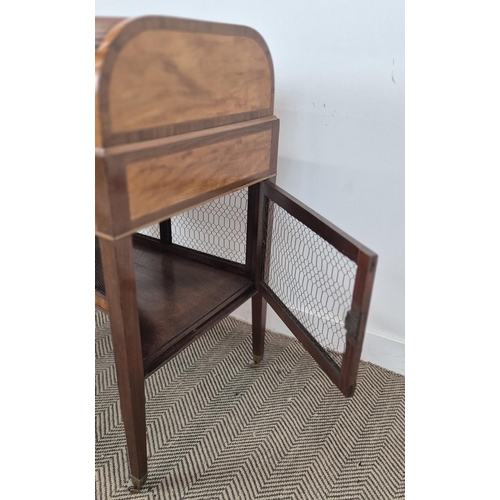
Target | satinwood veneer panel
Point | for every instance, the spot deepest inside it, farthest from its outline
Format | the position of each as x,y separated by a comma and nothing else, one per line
161,76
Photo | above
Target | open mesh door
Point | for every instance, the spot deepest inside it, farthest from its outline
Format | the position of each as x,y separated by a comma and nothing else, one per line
319,280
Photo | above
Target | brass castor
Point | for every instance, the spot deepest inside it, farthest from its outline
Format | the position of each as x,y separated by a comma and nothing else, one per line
134,484
256,361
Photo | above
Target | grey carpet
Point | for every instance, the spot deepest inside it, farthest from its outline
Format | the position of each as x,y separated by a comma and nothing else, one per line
219,430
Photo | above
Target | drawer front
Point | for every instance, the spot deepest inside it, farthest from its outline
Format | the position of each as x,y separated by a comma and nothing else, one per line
145,185
156,184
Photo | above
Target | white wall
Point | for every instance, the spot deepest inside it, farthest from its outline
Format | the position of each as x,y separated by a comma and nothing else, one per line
339,69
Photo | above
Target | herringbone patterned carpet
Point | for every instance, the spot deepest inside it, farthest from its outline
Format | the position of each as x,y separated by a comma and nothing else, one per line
219,430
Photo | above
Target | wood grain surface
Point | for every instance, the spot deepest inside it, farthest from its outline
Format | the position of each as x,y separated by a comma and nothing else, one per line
167,180
160,76
172,77
102,27
176,295
121,297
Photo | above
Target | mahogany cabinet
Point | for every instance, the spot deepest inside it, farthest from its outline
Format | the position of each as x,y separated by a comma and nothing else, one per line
189,222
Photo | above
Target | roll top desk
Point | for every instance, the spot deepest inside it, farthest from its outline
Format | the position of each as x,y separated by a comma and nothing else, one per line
189,222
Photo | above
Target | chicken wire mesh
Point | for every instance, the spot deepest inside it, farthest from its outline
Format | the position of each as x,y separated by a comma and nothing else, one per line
309,277
153,231
217,228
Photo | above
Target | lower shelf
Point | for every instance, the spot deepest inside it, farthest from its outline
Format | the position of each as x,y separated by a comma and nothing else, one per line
178,299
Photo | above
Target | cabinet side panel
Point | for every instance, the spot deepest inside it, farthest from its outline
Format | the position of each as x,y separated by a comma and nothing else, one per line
158,183
168,77
160,77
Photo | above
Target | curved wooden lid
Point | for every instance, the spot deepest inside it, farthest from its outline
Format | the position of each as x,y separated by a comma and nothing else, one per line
162,76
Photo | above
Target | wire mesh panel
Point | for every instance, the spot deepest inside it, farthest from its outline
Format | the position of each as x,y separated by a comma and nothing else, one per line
217,228
310,277
153,231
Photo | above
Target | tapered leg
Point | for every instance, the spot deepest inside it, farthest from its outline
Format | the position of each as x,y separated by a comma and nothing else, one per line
118,269
259,308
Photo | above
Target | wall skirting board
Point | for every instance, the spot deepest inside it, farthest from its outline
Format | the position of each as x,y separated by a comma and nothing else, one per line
384,351
389,353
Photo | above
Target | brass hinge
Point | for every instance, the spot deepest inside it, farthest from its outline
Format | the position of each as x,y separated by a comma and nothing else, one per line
352,321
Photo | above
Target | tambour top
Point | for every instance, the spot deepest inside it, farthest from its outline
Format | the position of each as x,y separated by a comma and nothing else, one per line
160,76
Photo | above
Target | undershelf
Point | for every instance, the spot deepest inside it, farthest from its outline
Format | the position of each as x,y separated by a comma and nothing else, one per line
178,298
